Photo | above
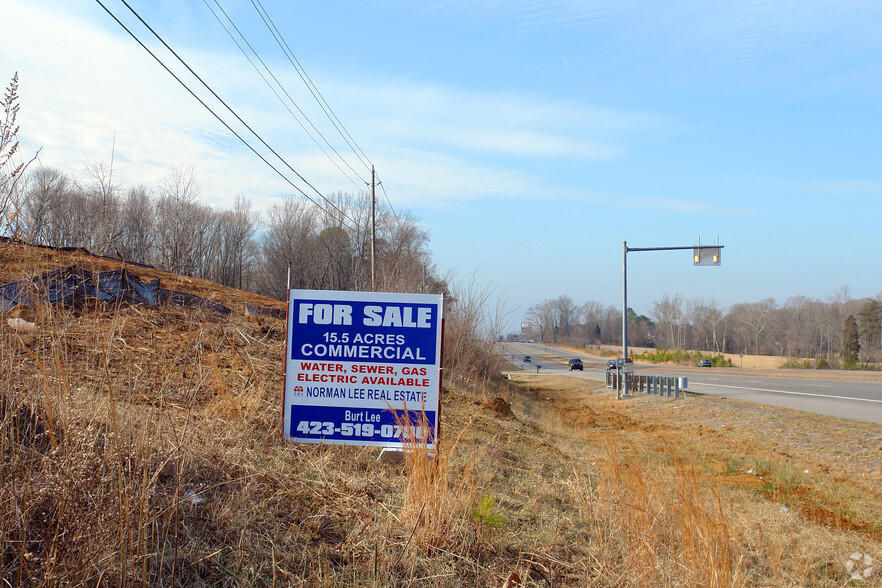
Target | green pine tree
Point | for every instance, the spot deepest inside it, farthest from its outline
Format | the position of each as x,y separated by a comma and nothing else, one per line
851,343
871,324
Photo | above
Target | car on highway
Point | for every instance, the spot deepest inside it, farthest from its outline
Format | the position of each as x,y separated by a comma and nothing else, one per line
617,363
705,363
576,364
527,359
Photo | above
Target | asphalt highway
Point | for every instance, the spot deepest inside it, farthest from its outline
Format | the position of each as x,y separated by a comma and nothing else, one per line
813,391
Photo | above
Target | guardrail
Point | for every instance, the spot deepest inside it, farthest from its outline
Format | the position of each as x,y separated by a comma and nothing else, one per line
657,385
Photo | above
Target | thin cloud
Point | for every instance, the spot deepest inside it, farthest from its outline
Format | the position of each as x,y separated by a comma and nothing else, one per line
696,41
848,187
491,123
433,180
673,206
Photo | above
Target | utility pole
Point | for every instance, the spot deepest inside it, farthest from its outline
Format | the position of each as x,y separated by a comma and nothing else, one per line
373,230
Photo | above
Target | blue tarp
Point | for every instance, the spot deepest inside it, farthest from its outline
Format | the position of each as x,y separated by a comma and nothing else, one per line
69,285
187,299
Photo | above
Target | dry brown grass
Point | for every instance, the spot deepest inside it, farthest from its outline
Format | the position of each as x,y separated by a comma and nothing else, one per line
701,491
747,362
144,447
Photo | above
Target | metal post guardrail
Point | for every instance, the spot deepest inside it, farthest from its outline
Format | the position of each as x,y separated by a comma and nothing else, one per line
669,386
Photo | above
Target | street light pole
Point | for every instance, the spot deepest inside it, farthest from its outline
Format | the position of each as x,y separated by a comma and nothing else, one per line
702,255
623,378
625,299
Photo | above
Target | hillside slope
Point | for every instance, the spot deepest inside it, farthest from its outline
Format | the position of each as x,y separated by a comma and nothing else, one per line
20,261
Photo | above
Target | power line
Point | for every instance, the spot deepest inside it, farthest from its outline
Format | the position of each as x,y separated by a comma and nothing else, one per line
271,26
281,86
233,112
113,16
238,136
313,89
389,202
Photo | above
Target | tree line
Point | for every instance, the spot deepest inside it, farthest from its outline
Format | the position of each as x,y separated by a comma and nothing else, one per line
325,246
168,226
832,332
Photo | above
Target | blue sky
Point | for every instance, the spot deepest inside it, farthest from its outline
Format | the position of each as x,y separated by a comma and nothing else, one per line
530,137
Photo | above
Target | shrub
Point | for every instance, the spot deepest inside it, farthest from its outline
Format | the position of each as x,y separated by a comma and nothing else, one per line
678,357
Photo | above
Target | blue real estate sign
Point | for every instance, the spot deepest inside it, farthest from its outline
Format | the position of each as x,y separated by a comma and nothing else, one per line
359,365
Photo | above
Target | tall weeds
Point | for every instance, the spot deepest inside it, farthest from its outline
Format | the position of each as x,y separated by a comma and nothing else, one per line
662,527
470,328
438,492
91,474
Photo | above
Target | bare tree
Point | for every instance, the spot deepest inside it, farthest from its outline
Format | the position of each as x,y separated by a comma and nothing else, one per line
705,317
796,310
668,314
757,317
544,318
404,258
333,247
469,332
714,318
287,244
567,315
182,223
77,221
359,211
42,206
103,203
234,235
136,226
834,320
593,322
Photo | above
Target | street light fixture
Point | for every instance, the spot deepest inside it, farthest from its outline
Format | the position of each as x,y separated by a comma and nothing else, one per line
701,255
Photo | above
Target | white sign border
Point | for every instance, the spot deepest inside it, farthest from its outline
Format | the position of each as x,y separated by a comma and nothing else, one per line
434,370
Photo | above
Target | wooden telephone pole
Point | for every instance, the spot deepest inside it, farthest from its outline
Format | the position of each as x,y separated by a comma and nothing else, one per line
373,230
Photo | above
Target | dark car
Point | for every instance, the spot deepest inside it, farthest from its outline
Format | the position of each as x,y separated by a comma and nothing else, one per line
617,363
576,364
705,363
527,359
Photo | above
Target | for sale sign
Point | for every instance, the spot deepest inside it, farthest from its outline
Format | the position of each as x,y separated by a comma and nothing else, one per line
362,365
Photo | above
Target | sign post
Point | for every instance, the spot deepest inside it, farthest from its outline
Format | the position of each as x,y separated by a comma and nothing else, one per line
363,368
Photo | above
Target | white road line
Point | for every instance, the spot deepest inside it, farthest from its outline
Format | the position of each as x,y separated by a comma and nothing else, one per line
788,392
